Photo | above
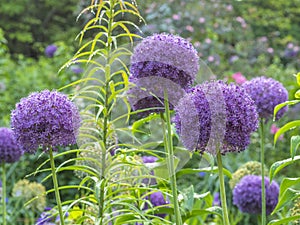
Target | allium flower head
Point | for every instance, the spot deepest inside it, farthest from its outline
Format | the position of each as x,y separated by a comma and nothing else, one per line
161,62
216,114
165,55
266,93
45,119
10,151
247,194
50,50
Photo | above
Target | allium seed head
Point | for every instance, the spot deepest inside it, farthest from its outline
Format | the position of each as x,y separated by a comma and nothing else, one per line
10,151
247,194
267,93
45,119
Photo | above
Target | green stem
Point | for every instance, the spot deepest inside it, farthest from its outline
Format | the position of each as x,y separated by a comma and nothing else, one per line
170,160
55,183
4,192
262,160
222,189
106,110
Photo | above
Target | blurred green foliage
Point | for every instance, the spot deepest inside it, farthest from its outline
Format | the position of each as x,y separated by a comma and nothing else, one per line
30,25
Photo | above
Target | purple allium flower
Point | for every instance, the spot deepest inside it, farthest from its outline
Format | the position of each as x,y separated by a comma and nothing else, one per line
247,194
149,159
266,93
157,199
76,69
45,217
45,119
50,50
216,115
167,56
161,61
10,151
217,201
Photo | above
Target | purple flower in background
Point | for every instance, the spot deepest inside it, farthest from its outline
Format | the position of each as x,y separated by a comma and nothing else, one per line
76,69
266,93
247,194
50,50
157,199
216,114
45,119
233,58
45,217
161,62
217,201
10,151
146,160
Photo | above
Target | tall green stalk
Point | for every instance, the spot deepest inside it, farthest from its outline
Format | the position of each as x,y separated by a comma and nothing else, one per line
55,183
262,160
222,189
105,109
4,192
170,160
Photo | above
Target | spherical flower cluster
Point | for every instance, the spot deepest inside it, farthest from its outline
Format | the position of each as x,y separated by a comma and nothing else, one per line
247,194
266,93
26,190
217,114
168,57
46,119
249,168
10,151
165,55
50,50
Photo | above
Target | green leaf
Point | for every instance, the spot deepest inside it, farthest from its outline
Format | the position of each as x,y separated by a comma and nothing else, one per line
188,196
295,142
279,165
288,196
298,78
198,212
286,183
206,169
279,106
297,94
285,128
284,220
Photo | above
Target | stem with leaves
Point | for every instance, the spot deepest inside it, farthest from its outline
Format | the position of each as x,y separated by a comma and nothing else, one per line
222,189
170,160
4,193
106,108
55,183
262,160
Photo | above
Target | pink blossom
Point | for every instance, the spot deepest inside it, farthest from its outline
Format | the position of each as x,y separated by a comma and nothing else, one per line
270,50
176,17
210,58
239,78
207,41
229,8
274,130
189,28
201,20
